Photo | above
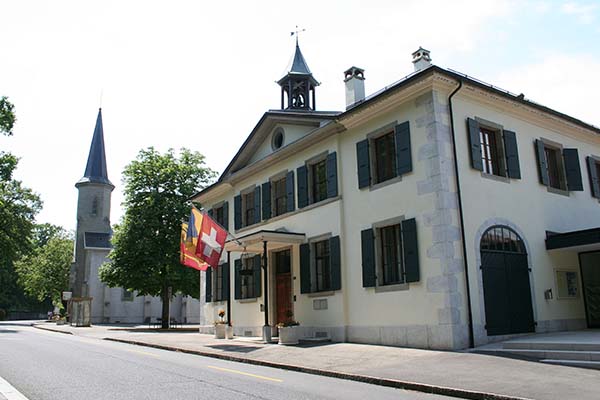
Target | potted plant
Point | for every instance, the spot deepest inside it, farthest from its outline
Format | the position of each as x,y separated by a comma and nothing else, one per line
220,326
289,331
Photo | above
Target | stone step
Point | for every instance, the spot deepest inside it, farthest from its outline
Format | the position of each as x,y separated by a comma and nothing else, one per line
573,363
546,345
571,355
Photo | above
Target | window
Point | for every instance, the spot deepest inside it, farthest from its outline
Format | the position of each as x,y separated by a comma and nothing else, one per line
392,270
318,177
219,215
279,194
558,167
248,289
489,151
248,208
593,164
502,238
127,295
554,168
322,265
219,287
277,139
385,157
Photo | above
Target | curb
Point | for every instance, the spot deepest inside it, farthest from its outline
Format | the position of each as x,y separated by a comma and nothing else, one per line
43,328
394,383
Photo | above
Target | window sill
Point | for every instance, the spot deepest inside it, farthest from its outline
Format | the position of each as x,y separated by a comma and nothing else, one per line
385,183
321,294
497,178
557,191
391,288
251,300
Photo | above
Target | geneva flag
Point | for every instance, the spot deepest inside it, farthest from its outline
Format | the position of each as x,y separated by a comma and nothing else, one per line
189,242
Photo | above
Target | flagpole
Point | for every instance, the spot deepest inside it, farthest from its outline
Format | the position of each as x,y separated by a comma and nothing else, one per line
229,288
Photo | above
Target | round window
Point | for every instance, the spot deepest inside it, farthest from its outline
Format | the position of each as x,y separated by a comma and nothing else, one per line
277,139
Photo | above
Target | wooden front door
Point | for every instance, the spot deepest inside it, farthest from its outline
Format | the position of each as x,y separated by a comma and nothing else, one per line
283,278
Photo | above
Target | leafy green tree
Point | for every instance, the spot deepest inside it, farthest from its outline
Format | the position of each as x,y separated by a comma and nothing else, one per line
7,116
145,255
44,274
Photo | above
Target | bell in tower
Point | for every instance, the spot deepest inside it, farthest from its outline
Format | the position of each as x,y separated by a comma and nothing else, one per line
298,85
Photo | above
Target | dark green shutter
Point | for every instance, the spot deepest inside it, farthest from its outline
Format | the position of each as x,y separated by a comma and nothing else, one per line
266,200
410,248
302,175
226,215
226,284
573,170
237,279
336,263
257,280
368,257
594,179
542,162
208,285
474,144
332,179
403,154
363,163
289,188
304,268
513,168
211,212
237,211
256,206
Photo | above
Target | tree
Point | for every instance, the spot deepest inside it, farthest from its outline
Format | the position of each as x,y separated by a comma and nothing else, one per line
7,116
44,274
145,255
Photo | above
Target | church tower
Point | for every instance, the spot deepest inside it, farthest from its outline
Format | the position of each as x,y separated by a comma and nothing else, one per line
92,241
298,85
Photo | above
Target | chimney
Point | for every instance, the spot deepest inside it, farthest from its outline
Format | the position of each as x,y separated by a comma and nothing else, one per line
421,59
354,78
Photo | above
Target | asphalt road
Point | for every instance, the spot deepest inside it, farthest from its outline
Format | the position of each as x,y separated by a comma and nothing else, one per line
45,365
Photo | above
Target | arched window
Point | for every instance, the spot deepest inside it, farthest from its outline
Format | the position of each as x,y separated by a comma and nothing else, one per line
502,238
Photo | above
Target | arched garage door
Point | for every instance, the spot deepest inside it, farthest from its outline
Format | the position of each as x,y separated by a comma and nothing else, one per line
506,290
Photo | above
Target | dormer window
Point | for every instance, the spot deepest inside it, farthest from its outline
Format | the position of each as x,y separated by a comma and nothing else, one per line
277,139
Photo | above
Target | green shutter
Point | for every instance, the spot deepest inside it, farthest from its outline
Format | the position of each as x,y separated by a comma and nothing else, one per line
474,144
336,267
266,200
237,279
210,212
237,211
257,206
368,258
226,284
363,163
226,215
594,178
542,162
573,170
304,268
208,285
410,248
289,188
302,174
257,280
403,154
332,179
512,155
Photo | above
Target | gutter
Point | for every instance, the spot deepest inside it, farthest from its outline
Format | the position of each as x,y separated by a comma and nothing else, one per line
461,216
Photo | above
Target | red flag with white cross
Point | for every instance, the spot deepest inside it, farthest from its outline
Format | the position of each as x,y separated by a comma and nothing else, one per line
211,240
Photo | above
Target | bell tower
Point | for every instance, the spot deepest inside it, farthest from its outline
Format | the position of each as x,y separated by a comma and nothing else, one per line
298,85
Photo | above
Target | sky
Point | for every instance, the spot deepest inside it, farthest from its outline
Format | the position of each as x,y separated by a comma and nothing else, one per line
200,74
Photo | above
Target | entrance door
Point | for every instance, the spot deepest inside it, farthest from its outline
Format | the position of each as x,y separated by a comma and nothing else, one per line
283,277
590,273
506,287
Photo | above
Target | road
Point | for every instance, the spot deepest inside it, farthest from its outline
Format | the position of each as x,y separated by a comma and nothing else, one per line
45,365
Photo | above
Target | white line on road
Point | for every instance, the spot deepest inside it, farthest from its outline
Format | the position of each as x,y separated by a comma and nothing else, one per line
7,390
266,378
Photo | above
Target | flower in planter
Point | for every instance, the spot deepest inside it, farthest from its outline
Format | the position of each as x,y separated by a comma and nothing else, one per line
290,320
222,316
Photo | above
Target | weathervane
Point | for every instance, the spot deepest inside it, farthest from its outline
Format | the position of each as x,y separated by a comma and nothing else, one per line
296,33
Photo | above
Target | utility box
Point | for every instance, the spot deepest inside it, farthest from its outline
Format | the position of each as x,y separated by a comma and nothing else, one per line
81,311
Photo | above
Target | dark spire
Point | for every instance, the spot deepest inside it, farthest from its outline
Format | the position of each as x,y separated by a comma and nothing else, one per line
298,84
95,170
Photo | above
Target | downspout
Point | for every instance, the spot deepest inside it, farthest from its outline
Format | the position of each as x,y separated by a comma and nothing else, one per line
461,217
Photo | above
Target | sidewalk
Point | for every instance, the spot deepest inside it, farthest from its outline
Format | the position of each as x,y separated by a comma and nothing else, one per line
459,374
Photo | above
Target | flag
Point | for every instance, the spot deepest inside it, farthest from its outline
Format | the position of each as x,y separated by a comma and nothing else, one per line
211,240
189,242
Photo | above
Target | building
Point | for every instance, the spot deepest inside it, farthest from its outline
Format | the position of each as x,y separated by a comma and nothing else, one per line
92,245
440,212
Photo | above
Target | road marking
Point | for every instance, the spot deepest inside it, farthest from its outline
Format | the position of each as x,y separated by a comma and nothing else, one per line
266,378
142,352
7,390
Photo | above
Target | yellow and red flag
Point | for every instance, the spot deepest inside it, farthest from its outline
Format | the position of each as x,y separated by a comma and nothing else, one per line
189,242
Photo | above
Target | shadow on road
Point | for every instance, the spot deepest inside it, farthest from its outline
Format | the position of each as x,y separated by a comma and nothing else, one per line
234,348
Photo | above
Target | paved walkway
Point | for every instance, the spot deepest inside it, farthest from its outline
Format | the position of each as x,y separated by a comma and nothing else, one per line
477,375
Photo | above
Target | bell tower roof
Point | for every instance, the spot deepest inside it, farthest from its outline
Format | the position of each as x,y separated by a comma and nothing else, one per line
298,68
298,85
95,169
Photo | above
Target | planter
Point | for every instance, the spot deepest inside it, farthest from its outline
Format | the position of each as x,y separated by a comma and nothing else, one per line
220,331
229,332
289,335
61,322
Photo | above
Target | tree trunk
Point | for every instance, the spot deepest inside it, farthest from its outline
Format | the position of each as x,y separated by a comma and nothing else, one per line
166,299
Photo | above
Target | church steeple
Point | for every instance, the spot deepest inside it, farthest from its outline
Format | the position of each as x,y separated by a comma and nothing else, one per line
298,85
95,170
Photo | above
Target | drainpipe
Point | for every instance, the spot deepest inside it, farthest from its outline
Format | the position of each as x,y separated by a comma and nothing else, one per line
461,217
229,287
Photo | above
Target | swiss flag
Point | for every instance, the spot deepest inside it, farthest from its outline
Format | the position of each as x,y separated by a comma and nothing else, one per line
211,240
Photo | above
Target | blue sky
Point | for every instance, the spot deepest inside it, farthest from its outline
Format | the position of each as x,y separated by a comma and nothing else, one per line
201,74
